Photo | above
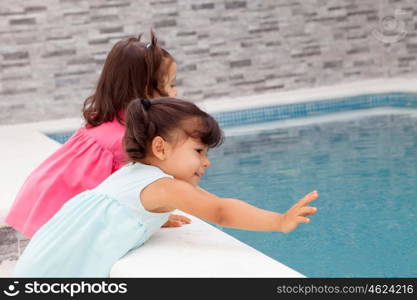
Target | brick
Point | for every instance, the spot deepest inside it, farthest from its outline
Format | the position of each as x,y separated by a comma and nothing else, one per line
16,55
240,63
25,21
235,4
202,6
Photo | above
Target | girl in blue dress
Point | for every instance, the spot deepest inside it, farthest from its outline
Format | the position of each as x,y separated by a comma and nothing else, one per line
167,141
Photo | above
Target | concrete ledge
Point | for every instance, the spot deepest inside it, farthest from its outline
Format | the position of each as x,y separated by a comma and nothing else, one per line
198,250
25,149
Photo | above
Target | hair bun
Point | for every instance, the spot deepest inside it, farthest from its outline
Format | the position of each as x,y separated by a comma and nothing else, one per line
146,103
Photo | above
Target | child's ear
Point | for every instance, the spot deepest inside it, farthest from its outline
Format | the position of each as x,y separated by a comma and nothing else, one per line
159,147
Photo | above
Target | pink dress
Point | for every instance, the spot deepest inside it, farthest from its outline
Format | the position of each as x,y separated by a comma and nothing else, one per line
84,161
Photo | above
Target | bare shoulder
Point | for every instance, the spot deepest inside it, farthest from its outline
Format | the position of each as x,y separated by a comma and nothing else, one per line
165,186
161,195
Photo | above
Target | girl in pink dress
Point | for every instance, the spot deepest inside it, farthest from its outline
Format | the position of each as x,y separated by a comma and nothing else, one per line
132,69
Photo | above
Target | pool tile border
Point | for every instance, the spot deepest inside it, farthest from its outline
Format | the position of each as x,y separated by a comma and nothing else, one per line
299,110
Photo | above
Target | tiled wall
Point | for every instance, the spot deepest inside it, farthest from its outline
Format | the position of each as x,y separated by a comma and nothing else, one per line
52,51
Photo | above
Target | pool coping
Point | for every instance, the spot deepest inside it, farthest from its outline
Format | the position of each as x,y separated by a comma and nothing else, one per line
32,136
307,95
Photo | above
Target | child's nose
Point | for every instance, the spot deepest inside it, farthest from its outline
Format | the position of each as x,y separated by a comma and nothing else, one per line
206,163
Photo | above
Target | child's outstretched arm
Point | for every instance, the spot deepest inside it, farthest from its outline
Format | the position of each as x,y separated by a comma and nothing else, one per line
169,194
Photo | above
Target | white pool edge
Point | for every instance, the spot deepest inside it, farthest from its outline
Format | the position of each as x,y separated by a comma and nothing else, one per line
377,86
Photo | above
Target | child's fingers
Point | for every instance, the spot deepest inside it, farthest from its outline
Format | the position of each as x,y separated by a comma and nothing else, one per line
307,211
185,220
176,221
307,198
303,220
182,219
175,224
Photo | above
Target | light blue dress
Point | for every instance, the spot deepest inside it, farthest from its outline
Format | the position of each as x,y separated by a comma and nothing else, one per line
95,228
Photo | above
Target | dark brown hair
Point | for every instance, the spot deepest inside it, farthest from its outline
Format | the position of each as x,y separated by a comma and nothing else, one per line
132,70
146,119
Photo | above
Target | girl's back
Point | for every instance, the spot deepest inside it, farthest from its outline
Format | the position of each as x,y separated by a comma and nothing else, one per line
85,160
95,228
109,135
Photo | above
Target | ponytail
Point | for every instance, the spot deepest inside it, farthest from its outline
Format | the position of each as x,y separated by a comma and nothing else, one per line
138,127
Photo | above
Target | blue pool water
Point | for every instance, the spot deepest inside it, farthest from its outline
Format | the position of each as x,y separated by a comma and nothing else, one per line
366,173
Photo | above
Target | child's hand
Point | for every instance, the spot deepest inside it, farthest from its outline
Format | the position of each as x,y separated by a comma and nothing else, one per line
176,221
297,214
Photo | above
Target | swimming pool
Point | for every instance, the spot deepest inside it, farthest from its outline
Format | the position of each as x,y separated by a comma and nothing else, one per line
365,169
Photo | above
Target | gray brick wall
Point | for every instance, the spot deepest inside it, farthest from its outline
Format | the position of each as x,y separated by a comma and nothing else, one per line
52,51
